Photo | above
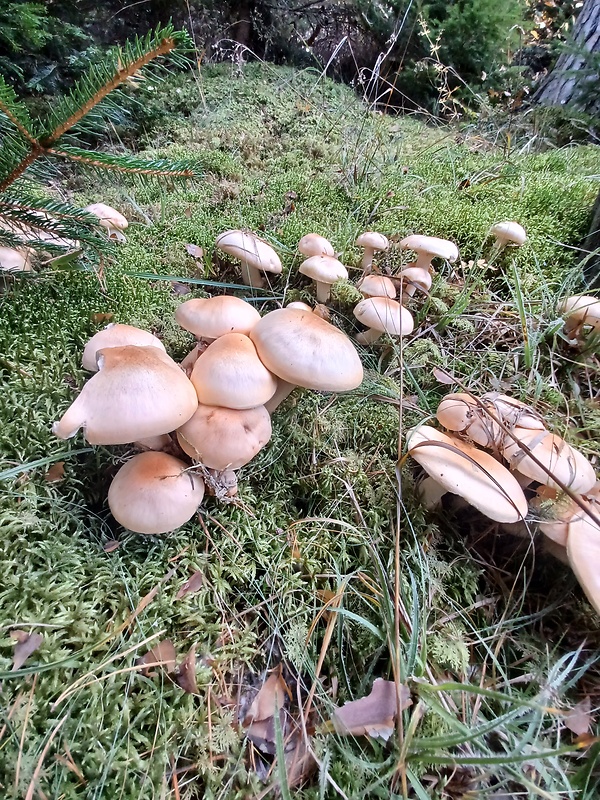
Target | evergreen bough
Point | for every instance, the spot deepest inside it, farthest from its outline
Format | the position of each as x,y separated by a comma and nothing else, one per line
30,150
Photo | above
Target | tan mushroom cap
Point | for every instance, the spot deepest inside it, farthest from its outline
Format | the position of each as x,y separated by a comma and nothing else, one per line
565,463
382,315
117,335
429,247
304,350
324,271
314,245
209,318
509,233
230,374
468,472
373,241
299,305
109,217
255,255
153,493
138,392
513,412
414,278
582,310
12,260
225,438
376,286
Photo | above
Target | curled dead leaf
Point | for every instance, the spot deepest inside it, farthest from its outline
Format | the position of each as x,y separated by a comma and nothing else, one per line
193,584
161,655
374,714
443,376
56,472
111,545
195,251
186,673
26,644
579,718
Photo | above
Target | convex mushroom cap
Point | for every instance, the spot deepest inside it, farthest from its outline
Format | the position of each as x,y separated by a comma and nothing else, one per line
137,393
413,279
117,335
324,271
231,374
304,350
154,493
508,233
314,245
382,315
580,311
12,260
429,247
255,255
114,222
470,473
209,318
376,286
225,438
372,242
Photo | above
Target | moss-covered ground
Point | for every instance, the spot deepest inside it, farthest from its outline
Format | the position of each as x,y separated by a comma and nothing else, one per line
285,153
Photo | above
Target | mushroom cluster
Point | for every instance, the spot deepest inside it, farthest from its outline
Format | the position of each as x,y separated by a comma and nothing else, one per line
199,421
501,458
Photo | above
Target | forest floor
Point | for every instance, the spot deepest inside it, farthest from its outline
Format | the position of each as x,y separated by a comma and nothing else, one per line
496,640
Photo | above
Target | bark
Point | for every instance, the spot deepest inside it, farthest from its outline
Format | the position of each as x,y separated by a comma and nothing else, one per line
591,249
573,79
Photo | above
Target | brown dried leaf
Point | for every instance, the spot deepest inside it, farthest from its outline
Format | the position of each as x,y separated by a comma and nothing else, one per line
26,644
374,714
180,289
56,472
195,251
161,655
299,761
186,674
101,316
578,718
111,545
193,584
443,376
271,695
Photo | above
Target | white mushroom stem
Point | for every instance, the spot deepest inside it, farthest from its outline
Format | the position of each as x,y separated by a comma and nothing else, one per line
369,336
423,261
284,389
367,260
252,276
431,493
153,442
116,233
323,291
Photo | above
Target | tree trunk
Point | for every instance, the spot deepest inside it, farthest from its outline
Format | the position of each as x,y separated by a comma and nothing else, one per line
573,79
591,249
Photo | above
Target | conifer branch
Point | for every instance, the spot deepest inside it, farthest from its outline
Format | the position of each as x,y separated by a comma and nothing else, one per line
162,48
17,123
124,164
33,154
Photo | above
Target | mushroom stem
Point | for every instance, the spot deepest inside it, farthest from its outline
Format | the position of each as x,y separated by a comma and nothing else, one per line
368,337
323,291
153,442
284,389
407,289
367,260
251,276
431,493
423,261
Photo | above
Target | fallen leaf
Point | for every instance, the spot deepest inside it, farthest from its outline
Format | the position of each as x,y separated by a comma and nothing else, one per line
374,714
186,674
111,545
26,644
193,584
56,472
161,655
180,288
578,718
442,376
101,317
195,251
270,696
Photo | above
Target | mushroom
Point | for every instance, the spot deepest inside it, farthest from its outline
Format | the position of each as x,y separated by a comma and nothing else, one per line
12,260
300,305
254,254
209,318
117,335
324,271
468,472
314,245
561,460
372,243
114,222
230,374
304,350
154,493
225,438
376,286
506,233
382,315
583,552
138,392
413,278
427,248
580,311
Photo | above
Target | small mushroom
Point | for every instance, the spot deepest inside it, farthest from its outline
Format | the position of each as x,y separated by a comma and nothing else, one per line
300,305
376,286
114,222
304,350
506,233
314,245
225,438
413,279
468,472
427,248
209,318
230,374
117,335
12,260
255,255
372,242
581,312
324,271
154,493
382,315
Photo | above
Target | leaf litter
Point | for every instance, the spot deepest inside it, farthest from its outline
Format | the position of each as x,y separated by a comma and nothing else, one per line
373,715
26,644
